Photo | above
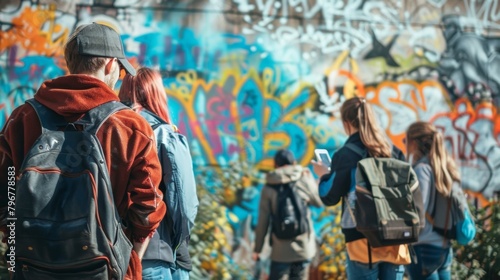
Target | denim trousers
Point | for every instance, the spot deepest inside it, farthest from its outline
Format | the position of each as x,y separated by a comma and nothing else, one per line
292,271
380,270
160,270
432,263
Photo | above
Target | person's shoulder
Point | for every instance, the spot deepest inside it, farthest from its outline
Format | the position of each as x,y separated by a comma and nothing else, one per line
129,120
423,168
23,109
168,135
306,172
346,156
307,175
23,115
422,165
397,153
168,128
268,190
344,150
153,119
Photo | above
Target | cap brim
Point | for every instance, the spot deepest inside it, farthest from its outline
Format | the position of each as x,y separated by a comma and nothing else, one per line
127,66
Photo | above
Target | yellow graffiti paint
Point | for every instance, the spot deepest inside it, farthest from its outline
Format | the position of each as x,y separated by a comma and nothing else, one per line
353,86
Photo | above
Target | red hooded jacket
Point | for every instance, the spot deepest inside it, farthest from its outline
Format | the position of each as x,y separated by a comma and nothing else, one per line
127,141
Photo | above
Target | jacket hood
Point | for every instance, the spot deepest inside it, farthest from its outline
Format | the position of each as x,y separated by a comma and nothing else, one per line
285,174
73,95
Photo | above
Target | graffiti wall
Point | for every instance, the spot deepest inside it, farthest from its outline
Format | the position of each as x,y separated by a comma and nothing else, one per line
248,77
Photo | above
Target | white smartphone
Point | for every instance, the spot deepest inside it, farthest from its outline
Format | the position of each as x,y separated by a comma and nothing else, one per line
323,155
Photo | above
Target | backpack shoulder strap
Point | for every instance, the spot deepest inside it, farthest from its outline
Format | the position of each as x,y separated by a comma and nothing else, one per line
371,172
91,121
153,118
95,117
49,120
362,153
278,185
430,212
431,208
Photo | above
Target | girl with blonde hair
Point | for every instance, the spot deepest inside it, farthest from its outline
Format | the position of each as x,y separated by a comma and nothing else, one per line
436,172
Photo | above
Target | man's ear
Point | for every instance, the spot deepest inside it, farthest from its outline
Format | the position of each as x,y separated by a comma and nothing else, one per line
108,66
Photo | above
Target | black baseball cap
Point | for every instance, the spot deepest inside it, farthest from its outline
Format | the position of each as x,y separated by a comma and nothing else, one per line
102,41
284,157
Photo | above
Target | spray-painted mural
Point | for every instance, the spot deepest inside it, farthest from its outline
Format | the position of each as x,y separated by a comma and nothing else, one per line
248,77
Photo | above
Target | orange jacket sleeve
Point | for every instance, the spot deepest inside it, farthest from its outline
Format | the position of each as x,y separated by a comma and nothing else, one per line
135,171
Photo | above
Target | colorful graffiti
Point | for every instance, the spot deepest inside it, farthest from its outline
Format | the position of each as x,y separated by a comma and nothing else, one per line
473,134
246,109
246,78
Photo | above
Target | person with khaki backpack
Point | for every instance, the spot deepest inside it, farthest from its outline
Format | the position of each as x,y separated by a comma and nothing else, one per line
338,183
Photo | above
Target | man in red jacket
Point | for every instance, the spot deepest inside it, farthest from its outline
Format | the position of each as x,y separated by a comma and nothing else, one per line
94,56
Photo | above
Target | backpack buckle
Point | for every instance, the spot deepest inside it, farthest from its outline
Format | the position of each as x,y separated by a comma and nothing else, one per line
69,127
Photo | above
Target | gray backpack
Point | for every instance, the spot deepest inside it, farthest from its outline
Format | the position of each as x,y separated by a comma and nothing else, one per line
68,226
450,216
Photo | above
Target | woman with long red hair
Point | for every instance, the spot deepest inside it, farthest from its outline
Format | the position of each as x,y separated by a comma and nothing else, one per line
145,90
167,255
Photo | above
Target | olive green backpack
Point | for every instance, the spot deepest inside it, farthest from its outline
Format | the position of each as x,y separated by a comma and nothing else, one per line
389,209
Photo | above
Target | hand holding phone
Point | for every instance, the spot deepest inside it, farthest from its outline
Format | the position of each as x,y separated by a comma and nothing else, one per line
323,156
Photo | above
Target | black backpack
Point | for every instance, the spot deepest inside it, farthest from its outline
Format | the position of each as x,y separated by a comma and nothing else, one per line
68,226
290,219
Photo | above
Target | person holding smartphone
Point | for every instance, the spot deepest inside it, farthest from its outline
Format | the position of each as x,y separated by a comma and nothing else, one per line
337,184
323,156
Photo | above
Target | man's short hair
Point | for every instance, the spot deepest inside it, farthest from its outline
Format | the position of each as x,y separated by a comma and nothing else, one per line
90,44
284,157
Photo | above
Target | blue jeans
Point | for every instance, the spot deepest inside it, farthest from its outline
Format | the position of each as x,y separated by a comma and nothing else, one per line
380,270
180,274
160,270
291,271
433,263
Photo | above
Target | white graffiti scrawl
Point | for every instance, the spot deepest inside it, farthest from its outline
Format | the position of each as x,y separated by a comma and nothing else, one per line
324,24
